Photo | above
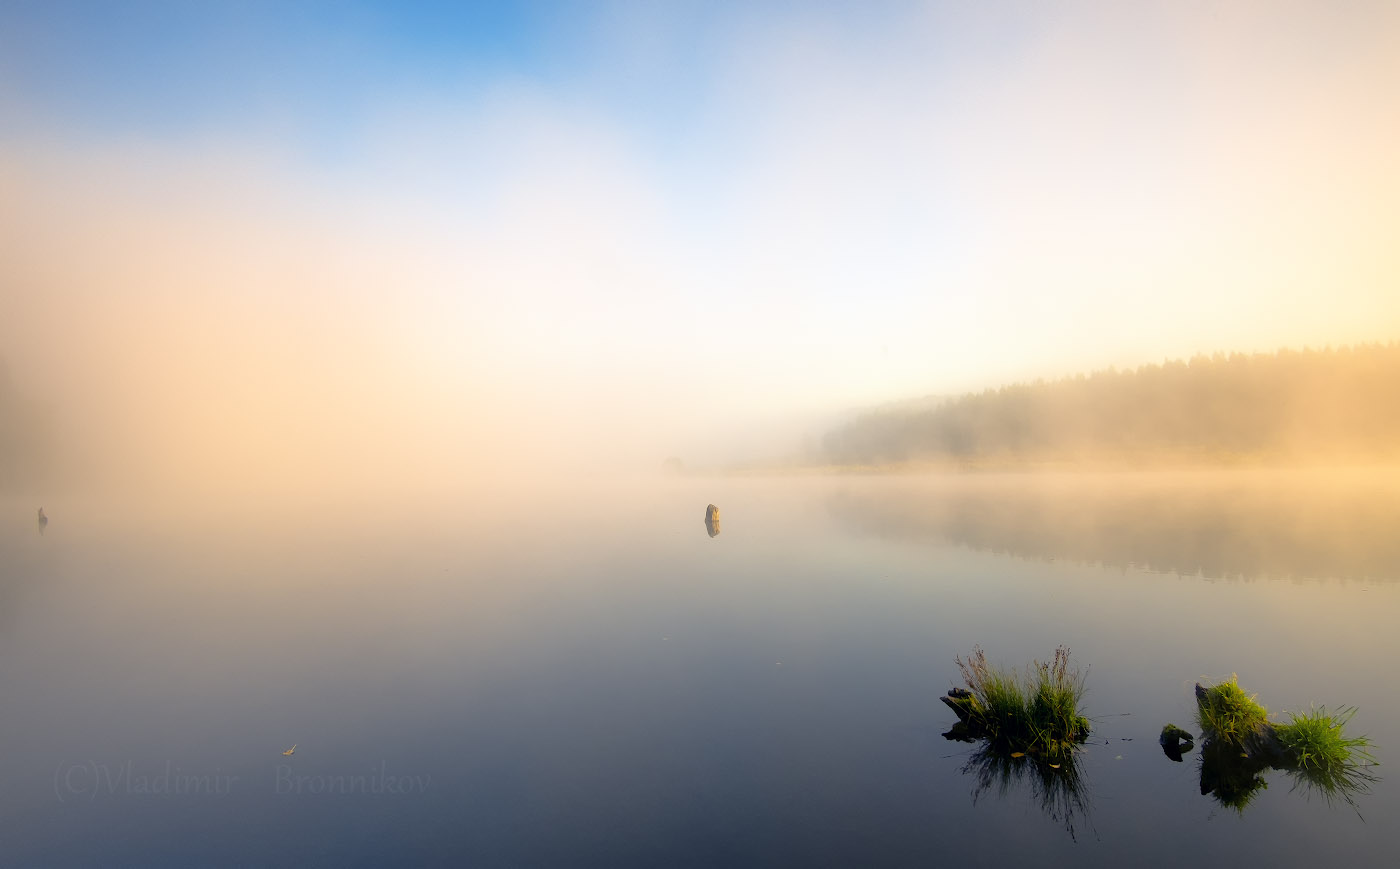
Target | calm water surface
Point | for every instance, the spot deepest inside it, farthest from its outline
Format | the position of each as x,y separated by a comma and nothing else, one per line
588,678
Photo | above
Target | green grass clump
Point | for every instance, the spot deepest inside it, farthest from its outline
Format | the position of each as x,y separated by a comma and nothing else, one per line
1228,714
1323,757
1036,712
1242,744
1315,739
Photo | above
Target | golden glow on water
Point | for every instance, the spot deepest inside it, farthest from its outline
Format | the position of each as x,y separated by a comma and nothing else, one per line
596,638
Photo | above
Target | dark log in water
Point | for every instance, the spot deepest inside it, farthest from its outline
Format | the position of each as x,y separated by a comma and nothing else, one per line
960,701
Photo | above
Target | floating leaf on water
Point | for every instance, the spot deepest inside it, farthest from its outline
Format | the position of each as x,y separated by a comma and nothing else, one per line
1054,766
1018,754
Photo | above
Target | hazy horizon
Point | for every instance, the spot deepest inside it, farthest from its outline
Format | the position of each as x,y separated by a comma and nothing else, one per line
464,433
363,243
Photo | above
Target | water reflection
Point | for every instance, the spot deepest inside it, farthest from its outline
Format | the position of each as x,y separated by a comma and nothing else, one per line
43,520
1060,792
1235,779
1221,525
522,658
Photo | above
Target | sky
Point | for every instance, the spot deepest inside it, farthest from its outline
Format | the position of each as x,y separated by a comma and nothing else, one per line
639,228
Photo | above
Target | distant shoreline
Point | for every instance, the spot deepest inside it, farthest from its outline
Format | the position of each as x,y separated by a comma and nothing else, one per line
1127,465
1304,407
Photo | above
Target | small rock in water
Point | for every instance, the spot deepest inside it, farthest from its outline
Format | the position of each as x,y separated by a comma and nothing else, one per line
712,520
1175,741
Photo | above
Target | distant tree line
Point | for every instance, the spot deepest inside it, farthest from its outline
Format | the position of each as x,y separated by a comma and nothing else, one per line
1287,405
24,437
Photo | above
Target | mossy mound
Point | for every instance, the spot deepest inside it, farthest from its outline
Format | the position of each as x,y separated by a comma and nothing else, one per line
1175,741
1035,713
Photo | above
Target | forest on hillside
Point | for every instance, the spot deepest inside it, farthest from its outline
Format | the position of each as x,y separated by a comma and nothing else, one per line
1307,405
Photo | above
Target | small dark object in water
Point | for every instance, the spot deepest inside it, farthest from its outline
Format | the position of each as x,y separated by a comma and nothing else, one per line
960,701
1176,741
712,520
43,520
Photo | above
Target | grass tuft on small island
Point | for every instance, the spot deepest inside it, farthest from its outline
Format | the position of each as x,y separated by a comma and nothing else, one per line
1316,741
1228,714
1035,712
1326,759
1313,747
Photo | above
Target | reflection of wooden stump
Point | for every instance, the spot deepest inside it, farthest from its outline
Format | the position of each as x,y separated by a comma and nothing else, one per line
712,520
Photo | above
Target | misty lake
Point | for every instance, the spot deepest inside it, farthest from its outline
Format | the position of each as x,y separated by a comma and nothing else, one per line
580,674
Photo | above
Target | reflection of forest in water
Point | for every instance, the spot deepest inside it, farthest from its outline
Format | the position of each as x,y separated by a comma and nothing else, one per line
1232,524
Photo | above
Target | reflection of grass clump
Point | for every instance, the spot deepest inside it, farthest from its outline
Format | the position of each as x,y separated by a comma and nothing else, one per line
1234,779
1059,788
1036,712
